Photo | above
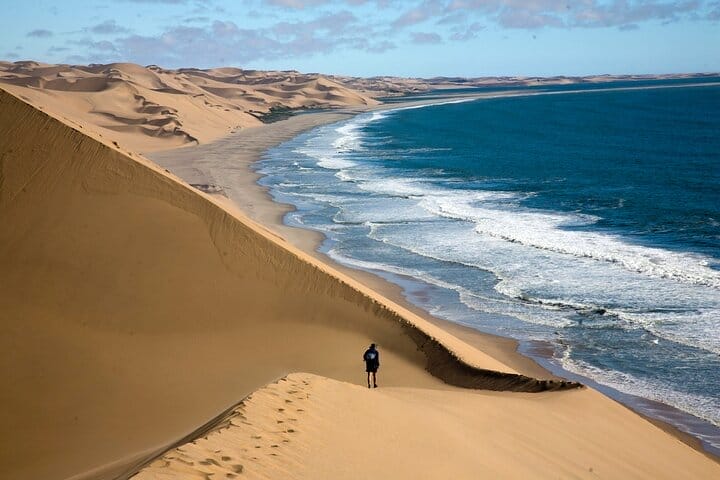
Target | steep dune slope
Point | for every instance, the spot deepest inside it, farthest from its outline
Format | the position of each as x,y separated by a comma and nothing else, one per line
133,308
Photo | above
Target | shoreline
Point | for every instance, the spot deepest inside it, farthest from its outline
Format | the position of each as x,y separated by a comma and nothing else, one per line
253,200
157,306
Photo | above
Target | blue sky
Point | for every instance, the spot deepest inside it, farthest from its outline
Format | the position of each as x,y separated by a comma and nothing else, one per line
416,38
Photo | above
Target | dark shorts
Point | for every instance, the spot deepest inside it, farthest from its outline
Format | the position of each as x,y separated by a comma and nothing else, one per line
371,368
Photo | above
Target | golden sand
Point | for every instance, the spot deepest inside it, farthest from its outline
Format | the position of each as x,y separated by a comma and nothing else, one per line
151,108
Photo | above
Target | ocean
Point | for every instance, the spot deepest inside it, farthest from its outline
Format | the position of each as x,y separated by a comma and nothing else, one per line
582,221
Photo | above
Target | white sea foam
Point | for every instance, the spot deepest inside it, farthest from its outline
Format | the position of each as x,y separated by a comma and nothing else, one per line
535,314
548,231
400,187
543,230
334,200
334,162
348,134
551,278
380,210
695,328
432,104
548,315
705,407
496,214
397,270
349,138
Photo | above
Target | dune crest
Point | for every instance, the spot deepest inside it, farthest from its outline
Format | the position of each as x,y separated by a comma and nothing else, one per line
151,108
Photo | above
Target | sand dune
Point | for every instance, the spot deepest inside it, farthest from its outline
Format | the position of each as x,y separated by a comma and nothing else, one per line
393,86
305,426
150,108
134,309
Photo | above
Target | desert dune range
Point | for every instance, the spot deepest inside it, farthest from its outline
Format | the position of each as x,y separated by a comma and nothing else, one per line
149,332
152,108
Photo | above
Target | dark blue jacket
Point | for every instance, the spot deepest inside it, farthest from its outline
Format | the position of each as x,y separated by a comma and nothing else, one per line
372,358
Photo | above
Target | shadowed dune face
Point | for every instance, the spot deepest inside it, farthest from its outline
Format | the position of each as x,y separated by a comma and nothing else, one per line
171,107
133,309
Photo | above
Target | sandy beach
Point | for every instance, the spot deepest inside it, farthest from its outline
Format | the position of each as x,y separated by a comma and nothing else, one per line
168,332
224,168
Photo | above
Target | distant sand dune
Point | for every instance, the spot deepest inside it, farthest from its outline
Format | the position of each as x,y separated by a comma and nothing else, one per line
175,107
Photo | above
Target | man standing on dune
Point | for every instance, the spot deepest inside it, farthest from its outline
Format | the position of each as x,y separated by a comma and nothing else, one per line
372,363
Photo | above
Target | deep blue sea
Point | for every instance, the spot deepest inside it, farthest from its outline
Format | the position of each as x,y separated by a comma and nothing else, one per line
585,220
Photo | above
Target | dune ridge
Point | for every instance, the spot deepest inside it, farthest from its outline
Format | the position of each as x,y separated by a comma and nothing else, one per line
123,287
306,426
150,108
